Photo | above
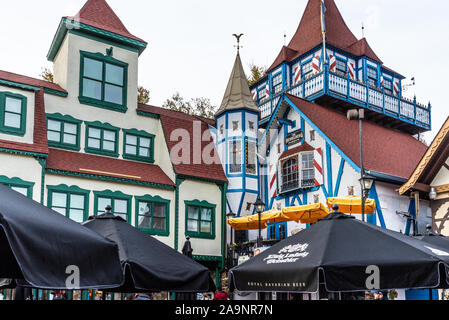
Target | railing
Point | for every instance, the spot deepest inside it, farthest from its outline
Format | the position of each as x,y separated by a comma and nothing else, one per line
356,92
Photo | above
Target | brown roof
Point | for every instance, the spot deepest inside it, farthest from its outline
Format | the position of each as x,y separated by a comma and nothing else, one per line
98,14
173,120
384,150
83,163
362,48
13,77
304,147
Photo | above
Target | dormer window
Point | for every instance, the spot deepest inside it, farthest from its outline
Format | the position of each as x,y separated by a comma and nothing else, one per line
103,81
13,113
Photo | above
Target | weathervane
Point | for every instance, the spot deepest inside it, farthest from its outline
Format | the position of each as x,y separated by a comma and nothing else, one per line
238,41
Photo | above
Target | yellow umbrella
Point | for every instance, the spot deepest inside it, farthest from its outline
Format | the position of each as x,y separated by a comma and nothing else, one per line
307,213
352,204
246,223
272,216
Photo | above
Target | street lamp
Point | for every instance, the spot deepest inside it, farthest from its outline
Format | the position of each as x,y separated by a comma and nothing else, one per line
260,207
366,182
231,215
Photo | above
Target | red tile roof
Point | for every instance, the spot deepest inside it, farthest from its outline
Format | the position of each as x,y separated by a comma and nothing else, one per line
384,150
98,14
304,147
171,121
13,77
362,48
40,143
83,163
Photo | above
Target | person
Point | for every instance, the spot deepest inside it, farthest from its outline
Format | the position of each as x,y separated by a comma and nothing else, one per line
59,295
380,295
220,295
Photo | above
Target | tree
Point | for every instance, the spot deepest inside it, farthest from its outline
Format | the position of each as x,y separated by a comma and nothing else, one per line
198,106
143,95
47,75
256,74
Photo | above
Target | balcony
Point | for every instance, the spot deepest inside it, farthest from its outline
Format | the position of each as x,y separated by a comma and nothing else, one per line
328,88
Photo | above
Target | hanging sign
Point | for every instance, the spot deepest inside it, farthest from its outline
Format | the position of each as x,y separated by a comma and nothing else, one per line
294,138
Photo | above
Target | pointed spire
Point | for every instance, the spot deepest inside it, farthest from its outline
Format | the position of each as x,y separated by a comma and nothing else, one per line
98,14
237,95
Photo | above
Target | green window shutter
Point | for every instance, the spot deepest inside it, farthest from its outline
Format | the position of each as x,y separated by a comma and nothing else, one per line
103,82
13,112
200,219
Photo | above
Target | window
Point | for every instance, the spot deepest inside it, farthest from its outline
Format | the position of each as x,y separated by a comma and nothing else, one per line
63,132
307,170
13,113
71,202
251,157
261,94
312,135
138,145
17,184
102,139
103,81
235,156
290,177
388,86
152,215
342,67
307,68
277,83
200,219
372,76
119,202
277,231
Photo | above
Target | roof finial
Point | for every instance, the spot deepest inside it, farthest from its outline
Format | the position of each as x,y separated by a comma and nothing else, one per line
238,42
363,30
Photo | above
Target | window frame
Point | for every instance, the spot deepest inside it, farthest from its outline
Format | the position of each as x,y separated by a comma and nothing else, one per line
153,200
101,103
388,90
139,134
65,119
247,163
302,154
231,156
200,205
19,183
69,191
299,162
370,78
23,114
102,127
117,195
276,82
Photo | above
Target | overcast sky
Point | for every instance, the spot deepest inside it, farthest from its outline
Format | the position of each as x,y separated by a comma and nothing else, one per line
191,48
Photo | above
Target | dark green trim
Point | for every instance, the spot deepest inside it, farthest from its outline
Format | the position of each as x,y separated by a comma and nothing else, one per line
148,114
188,177
117,195
138,134
24,153
108,178
43,163
19,85
152,200
56,92
67,25
200,205
72,190
102,127
23,114
101,103
111,43
178,185
17,182
65,119
207,258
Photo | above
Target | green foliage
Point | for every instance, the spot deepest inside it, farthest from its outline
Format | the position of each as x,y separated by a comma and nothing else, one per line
197,106
256,74
47,75
143,96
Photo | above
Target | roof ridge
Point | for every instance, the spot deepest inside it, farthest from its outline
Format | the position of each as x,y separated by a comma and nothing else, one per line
177,112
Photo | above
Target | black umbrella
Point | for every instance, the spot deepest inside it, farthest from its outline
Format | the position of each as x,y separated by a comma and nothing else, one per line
348,255
434,238
40,248
148,264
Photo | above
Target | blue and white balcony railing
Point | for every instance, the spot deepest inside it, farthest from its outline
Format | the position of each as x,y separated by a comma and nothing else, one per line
358,93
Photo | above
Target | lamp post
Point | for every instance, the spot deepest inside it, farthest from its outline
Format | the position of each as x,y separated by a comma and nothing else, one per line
260,206
231,215
366,182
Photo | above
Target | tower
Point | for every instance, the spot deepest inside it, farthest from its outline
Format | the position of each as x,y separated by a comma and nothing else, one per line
237,139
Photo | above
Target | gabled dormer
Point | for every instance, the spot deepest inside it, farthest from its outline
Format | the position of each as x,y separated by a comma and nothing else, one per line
340,71
96,58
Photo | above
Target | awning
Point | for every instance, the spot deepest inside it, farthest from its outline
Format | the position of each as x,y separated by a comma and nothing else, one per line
306,214
352,204
246,223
